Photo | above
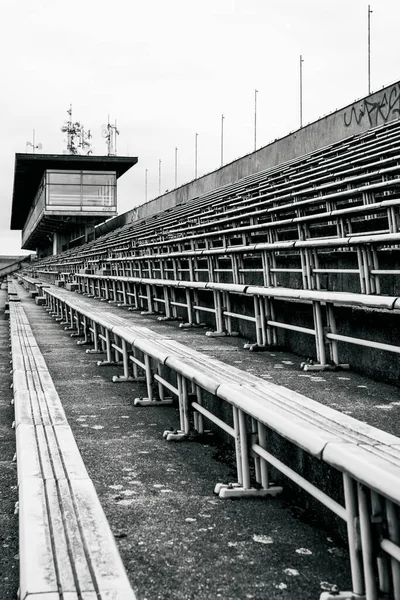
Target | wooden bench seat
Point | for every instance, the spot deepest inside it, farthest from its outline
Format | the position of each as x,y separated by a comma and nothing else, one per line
77,556
67,549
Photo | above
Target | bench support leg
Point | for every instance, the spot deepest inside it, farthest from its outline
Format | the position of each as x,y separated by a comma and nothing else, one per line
151,400
341,596
148,402
221,334
317,367
254,347
235,490
125,358
109,363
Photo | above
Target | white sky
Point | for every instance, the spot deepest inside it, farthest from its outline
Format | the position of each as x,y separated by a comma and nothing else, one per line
166,69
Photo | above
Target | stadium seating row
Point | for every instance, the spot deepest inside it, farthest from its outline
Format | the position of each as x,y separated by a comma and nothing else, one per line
367,458
342,191
66,545
321,229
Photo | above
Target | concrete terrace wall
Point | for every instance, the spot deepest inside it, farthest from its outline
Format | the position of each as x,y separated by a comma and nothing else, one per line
376,109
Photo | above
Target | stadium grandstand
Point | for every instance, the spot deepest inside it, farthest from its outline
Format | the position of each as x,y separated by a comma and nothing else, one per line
205,388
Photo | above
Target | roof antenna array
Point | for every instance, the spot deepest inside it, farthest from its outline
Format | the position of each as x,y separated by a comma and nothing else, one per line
34,146
78,140
110,132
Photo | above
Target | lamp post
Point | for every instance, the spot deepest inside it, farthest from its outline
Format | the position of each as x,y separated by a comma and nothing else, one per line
301,90
195,155
369,48
222,140
176,167
255,119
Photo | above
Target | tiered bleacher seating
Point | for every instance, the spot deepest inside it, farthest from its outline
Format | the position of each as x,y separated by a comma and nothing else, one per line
367,459
321,231
248,253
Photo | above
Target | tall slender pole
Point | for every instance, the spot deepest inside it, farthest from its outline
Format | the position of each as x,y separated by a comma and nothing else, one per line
145,185
176,167
255,119
222,140
159,176
33,149
301,90
195,155
369,48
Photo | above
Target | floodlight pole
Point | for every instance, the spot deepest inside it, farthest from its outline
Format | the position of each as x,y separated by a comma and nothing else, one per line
301,91
176,167
159,176
369,48
255,119
195,155
222,140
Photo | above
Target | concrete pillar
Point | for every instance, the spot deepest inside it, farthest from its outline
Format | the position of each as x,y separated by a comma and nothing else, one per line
56,243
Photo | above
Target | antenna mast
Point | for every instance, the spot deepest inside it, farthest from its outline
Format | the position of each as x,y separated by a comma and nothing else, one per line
78,140
109,133
33,144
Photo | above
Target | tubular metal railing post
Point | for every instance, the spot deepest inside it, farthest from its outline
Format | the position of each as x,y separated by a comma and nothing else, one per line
367,543
238,445
350,495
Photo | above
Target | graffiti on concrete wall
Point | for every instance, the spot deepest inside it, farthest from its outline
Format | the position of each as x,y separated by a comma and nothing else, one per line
377,111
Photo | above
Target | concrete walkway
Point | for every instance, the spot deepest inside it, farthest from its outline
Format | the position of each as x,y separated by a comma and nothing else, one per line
176,539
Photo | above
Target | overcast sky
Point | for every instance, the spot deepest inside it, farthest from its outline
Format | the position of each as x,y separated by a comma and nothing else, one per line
166,69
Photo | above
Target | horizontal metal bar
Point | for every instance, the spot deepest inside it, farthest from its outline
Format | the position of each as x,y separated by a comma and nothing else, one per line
334,506
137,362
167,385
117,348
291,327
385,272
391,548
227,428
204,309
355,271
367,343
277,270
227,313
183,304
251,270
